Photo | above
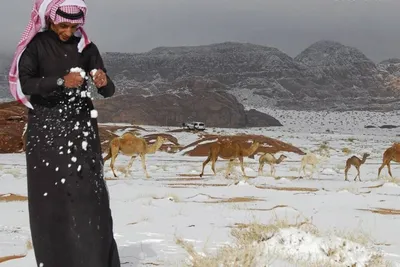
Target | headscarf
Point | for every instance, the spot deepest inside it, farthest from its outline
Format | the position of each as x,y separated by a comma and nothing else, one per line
42,11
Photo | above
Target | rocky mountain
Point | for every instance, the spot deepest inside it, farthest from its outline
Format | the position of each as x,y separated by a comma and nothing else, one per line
340,69
390,72
325,75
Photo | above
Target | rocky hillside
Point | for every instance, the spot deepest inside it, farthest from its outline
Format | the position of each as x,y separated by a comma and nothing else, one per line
326,75
341,69
214,107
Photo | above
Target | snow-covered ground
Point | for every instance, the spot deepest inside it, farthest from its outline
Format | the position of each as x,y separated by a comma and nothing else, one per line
356,221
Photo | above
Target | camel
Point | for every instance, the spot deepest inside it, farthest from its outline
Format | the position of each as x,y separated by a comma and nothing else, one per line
309,159
130,145
228,150
391,154
356,162
271,160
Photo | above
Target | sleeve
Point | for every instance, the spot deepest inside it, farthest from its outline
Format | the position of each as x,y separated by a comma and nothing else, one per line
96,62
31,82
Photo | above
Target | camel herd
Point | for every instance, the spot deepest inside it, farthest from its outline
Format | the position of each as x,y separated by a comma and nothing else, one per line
131,145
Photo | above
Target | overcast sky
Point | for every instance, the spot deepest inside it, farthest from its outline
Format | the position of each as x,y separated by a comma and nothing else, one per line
373,26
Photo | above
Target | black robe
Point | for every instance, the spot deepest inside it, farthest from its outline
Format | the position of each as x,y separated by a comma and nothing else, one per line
69,210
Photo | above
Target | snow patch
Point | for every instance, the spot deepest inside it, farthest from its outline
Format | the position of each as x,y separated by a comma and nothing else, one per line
298,245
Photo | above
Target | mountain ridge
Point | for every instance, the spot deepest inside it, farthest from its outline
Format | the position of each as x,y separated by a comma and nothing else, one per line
324,72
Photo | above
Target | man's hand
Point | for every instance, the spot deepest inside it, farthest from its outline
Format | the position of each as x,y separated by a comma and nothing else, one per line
73,80
99,78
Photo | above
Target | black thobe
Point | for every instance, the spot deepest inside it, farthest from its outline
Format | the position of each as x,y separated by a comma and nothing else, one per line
69,210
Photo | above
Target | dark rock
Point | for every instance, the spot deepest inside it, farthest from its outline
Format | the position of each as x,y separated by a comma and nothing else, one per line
215,108
388,126
256,118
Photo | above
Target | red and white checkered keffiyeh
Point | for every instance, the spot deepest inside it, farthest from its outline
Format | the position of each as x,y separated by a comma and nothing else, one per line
69,10
43,10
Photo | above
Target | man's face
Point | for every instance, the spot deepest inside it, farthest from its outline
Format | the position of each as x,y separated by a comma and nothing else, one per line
64,30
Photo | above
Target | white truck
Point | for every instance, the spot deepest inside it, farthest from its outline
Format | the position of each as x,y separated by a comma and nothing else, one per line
194,126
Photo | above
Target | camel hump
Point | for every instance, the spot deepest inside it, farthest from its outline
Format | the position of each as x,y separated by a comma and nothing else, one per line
396,146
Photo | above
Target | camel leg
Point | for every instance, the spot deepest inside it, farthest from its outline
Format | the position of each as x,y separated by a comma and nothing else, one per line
260,168
114,153
143,158
358,174
213,166
228,169
385,163
300,169
312,171
112,165
389,170
346,170
108,156
204,164
130,164
272,170
131,161
303,169
242,167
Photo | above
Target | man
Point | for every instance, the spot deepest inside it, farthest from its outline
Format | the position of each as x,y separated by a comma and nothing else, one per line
69,209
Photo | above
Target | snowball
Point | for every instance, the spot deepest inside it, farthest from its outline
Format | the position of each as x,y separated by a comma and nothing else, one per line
93,72
93,113
76,69
73,159
63,180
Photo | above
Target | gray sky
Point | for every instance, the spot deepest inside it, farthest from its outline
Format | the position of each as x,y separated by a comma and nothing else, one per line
373,26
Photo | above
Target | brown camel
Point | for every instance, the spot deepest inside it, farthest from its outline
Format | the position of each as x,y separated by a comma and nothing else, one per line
231,150
356,162
271,161
130,145
391,154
